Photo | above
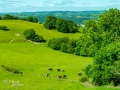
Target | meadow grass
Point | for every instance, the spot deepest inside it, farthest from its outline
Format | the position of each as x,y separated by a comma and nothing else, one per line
35,59
18,26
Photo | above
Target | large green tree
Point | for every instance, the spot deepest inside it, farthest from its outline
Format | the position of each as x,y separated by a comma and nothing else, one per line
50,22
109,21
105,34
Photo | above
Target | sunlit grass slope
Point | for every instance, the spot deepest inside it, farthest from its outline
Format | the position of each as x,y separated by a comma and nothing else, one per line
35,59
18,27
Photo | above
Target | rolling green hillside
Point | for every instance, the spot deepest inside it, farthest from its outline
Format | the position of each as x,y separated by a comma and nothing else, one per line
18,27
35,59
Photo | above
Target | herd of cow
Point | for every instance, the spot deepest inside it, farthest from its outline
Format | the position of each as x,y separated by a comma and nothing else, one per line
60,76
16,71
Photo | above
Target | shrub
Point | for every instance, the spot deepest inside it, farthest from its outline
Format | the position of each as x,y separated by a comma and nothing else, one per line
63,47
50,22
32,19
55,43
30,34
3,28
71,46
83,79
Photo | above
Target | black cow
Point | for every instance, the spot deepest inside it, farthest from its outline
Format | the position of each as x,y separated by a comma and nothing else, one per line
64,76
58,70
47,75
50,69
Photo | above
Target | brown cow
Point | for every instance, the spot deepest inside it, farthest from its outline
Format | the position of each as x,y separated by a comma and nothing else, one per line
79,74
60,77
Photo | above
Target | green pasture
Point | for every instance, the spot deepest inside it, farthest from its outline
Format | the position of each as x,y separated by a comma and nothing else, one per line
18,27
34,60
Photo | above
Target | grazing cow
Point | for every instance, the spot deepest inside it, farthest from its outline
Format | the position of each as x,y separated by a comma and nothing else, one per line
64,76
60,77
58,70
20,72
79,74
50,69
16,71
63,70
47,75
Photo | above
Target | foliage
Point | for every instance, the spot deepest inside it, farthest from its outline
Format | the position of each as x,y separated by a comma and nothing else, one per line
64,44
30,34
71,46
83,79
85,46
101,40
32,19
105,68
60,24
12,17
9,17
72,27
109,22
55,43
64,47
3,28
50,22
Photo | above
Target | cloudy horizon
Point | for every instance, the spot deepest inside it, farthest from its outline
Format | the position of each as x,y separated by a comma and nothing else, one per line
55,5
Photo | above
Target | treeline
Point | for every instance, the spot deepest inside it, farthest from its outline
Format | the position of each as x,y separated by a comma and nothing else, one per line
60,24
100,40
11,17
63,44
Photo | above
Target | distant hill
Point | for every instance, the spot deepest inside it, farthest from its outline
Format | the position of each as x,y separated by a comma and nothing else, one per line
78,17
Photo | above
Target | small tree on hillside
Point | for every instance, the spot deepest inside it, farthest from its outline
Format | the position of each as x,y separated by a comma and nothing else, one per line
3,28
30,34
50,22
32,19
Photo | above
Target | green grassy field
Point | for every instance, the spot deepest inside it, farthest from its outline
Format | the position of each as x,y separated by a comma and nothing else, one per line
18,27
35,59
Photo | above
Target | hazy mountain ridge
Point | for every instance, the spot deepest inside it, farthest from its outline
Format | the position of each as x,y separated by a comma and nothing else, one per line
76,16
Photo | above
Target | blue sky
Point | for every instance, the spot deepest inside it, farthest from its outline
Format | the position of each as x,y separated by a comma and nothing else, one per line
56,5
